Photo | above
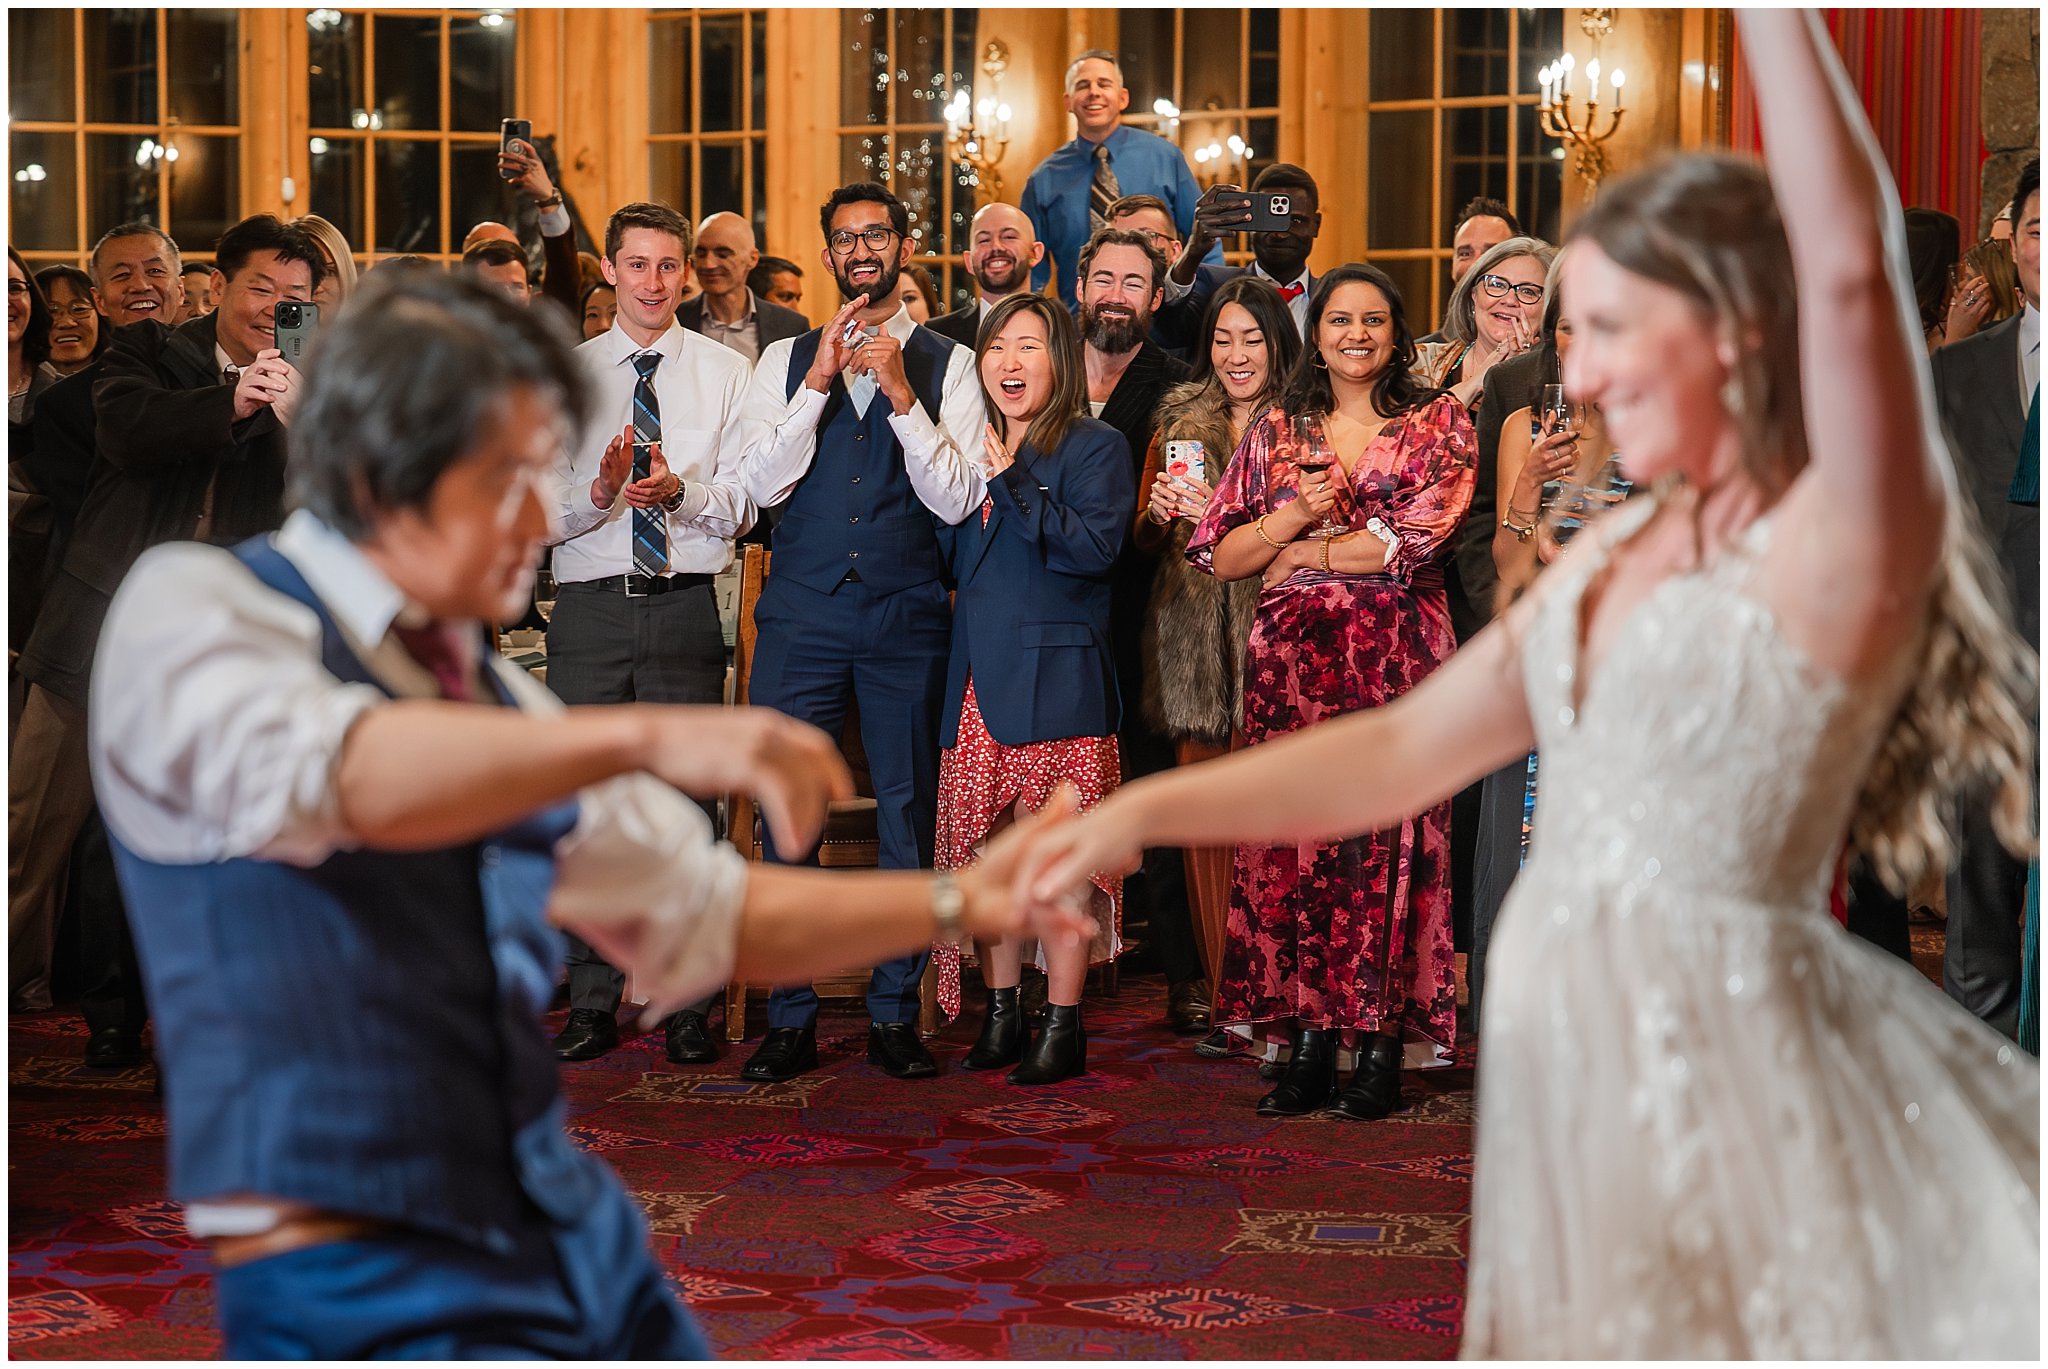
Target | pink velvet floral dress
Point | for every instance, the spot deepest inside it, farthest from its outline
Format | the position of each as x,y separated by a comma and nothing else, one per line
1354,934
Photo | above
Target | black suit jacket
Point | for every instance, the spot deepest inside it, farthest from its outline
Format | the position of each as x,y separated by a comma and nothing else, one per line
962,325
771,320
168,447
1977,392
1474,578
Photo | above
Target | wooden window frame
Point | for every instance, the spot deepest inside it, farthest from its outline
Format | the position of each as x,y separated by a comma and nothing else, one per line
78,128
752,141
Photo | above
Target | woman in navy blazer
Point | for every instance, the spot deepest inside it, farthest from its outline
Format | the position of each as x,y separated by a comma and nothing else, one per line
1031,690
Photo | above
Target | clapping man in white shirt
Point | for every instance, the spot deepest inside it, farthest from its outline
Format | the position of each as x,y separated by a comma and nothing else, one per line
344,825
648,502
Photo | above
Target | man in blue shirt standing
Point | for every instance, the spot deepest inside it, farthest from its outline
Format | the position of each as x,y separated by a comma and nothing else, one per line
1071,191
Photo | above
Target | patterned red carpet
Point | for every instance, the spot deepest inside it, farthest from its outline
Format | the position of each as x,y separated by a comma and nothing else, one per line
1142,1212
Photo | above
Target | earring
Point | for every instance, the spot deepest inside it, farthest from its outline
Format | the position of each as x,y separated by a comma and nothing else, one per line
1320,360
1732,398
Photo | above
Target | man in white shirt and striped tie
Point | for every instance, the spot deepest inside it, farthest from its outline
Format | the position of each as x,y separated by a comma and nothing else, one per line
648,505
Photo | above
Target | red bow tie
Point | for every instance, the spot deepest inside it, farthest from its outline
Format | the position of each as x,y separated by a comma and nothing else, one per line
1293,292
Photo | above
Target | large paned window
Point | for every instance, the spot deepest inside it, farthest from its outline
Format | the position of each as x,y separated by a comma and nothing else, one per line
1220,69
1451,115
403,113
122,114
707,111
899,69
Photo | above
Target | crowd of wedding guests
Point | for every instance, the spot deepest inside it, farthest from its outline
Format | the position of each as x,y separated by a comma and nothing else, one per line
1127,508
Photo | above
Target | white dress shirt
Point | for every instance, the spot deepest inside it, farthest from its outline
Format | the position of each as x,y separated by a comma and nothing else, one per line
2030,353
700,387
1298,306
216,733
782,433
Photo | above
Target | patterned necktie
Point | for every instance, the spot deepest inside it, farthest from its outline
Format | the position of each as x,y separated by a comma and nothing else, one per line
433,646
650,526
1102,191
2026,479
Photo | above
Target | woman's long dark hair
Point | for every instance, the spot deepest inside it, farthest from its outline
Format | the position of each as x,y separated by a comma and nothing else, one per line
1069,399
35,342
1261,299
1396,391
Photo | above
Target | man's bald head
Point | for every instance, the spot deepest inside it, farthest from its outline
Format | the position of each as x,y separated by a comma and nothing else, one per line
726,251
490,230
1002,248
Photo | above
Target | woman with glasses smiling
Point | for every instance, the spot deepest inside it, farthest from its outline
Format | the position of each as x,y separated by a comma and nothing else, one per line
1495,313
76,336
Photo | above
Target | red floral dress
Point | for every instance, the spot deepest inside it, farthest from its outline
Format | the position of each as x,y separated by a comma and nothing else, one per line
1353,934
980,779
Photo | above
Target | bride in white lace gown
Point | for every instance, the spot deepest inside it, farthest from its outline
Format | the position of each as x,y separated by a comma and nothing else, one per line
1711,1123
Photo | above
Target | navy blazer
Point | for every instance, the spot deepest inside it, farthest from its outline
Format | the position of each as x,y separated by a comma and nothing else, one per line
1031,618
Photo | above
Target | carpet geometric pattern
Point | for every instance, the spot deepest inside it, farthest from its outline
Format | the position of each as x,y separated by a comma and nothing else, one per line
1142,1212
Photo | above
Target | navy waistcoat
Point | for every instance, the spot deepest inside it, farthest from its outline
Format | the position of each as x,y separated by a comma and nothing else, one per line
364,1035
854,510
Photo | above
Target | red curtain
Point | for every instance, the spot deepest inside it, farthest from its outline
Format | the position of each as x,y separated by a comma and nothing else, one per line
1917,71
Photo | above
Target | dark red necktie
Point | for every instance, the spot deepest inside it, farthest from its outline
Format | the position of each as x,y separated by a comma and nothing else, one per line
1293,292
433,646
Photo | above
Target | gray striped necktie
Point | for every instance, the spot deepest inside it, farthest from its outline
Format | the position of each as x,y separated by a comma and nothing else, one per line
650,526
1103,191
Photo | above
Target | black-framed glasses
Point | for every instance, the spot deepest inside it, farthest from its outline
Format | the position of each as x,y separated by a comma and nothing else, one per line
1498,286
876,237
17,287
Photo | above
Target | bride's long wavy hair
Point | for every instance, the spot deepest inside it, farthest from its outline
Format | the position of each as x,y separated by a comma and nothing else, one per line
1708,227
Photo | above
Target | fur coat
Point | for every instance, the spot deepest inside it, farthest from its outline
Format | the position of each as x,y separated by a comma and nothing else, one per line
1196,631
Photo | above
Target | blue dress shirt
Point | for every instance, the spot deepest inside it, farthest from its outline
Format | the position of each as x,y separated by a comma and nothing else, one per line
1056,197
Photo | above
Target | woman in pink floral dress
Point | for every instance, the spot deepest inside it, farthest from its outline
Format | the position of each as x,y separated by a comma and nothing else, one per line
1346,944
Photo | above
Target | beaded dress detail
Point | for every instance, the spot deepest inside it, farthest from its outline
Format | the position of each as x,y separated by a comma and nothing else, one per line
1711,1122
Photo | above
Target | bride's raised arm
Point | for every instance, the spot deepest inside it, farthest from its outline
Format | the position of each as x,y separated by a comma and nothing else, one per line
1878,496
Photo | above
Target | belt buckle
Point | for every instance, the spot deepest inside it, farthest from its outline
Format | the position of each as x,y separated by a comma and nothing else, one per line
631,593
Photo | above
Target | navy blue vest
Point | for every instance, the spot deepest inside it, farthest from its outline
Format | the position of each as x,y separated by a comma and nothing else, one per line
364,1035
854,510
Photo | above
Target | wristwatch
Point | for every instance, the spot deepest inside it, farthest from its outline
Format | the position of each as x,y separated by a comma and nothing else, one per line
551,202
675,501
949,908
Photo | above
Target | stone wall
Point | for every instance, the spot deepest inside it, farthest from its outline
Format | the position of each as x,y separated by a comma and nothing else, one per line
2011,108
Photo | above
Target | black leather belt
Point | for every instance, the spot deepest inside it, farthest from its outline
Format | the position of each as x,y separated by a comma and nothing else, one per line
645,586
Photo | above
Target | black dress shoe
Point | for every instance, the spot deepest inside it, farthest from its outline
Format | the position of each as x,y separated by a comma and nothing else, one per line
1375,1090
1187,1007
1058,1052
1002,1033
785,1053
1214,1046
115,1048
899,1050
587,1034
1310,1079
689,1043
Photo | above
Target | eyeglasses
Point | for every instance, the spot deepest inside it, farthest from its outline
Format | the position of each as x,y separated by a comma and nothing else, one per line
877,238
1498,286
1155,237
17,287
79,310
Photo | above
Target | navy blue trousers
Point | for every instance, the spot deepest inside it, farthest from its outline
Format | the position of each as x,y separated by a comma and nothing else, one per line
589,1292
887,652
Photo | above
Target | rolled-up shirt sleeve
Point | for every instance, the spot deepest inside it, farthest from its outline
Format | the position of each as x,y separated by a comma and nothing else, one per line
214,730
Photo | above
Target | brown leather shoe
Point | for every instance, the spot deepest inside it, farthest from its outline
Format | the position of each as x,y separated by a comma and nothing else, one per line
1187,1007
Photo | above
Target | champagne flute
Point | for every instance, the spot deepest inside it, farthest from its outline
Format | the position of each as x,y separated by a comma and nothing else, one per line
1552,414
1312,455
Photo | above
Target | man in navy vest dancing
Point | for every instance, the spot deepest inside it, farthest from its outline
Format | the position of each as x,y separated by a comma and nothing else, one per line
854,610
344,824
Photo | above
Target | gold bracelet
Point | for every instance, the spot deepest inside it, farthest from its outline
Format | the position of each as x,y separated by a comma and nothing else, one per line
1323,556
1259,527
1522,534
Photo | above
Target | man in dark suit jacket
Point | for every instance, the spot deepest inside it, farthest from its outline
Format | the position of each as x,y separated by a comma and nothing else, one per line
190,437
727,311
1280,257
1987,388
1121,285
1002,249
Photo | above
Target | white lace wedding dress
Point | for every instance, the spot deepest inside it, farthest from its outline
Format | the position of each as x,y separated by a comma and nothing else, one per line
1711,1122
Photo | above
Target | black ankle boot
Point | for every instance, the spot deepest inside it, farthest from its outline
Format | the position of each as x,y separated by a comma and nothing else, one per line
1375,1090
1310,1079
1002,1033
1058,1052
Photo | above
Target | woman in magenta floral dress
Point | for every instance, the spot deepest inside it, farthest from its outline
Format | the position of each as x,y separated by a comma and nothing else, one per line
1343,945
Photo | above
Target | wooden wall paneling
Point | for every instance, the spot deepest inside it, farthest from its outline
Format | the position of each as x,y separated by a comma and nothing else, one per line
804,61
1328,103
